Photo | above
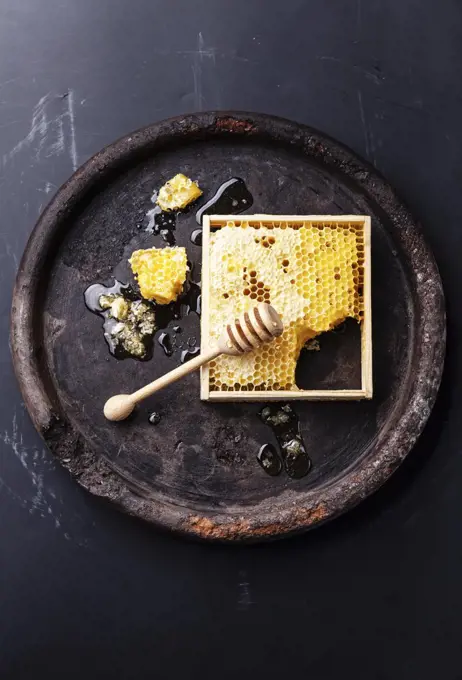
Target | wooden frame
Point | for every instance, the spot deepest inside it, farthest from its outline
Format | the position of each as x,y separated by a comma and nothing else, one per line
366,390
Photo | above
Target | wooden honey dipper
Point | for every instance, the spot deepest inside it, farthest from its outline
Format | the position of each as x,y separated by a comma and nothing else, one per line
252,329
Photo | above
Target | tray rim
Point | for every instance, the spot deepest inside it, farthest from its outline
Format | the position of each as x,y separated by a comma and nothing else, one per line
366,389
103,479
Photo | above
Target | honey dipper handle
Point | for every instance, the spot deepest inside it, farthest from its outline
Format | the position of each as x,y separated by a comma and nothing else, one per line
176,374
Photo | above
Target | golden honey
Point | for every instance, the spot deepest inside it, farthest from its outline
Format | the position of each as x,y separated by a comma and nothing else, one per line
160,272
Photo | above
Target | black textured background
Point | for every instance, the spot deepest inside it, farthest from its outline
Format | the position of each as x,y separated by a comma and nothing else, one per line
85,591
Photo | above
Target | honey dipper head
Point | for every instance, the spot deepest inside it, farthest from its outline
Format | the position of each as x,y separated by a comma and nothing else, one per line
253,328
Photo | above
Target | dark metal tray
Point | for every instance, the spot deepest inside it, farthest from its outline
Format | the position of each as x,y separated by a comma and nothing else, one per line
196,471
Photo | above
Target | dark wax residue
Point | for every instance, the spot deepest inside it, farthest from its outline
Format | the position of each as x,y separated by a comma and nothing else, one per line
232,198
92,297
286,427
270,460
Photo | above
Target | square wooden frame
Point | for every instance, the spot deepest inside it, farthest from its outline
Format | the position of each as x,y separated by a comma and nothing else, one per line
366,390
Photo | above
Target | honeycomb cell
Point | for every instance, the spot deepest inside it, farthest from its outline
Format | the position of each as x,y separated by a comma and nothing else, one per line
312,273
160,272
177,193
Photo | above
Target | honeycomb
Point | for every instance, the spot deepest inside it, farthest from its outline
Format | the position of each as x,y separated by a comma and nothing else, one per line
177,193
160,272
312,273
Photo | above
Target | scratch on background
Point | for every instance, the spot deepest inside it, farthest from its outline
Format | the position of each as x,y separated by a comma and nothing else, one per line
363,123
197,72
38,129
40,501
73,145
33,462
197,77
48,133
58,146
10,254
244,600
15,441
10,123
8,82
199,55
370,75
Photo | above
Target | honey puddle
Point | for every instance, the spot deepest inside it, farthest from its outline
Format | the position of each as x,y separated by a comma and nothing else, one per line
293,457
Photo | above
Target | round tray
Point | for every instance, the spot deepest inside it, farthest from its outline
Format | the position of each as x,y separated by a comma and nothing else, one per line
196,471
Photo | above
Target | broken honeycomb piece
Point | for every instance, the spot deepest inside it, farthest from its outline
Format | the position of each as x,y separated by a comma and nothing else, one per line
160,272
129,324
312,273
177,193
117,305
